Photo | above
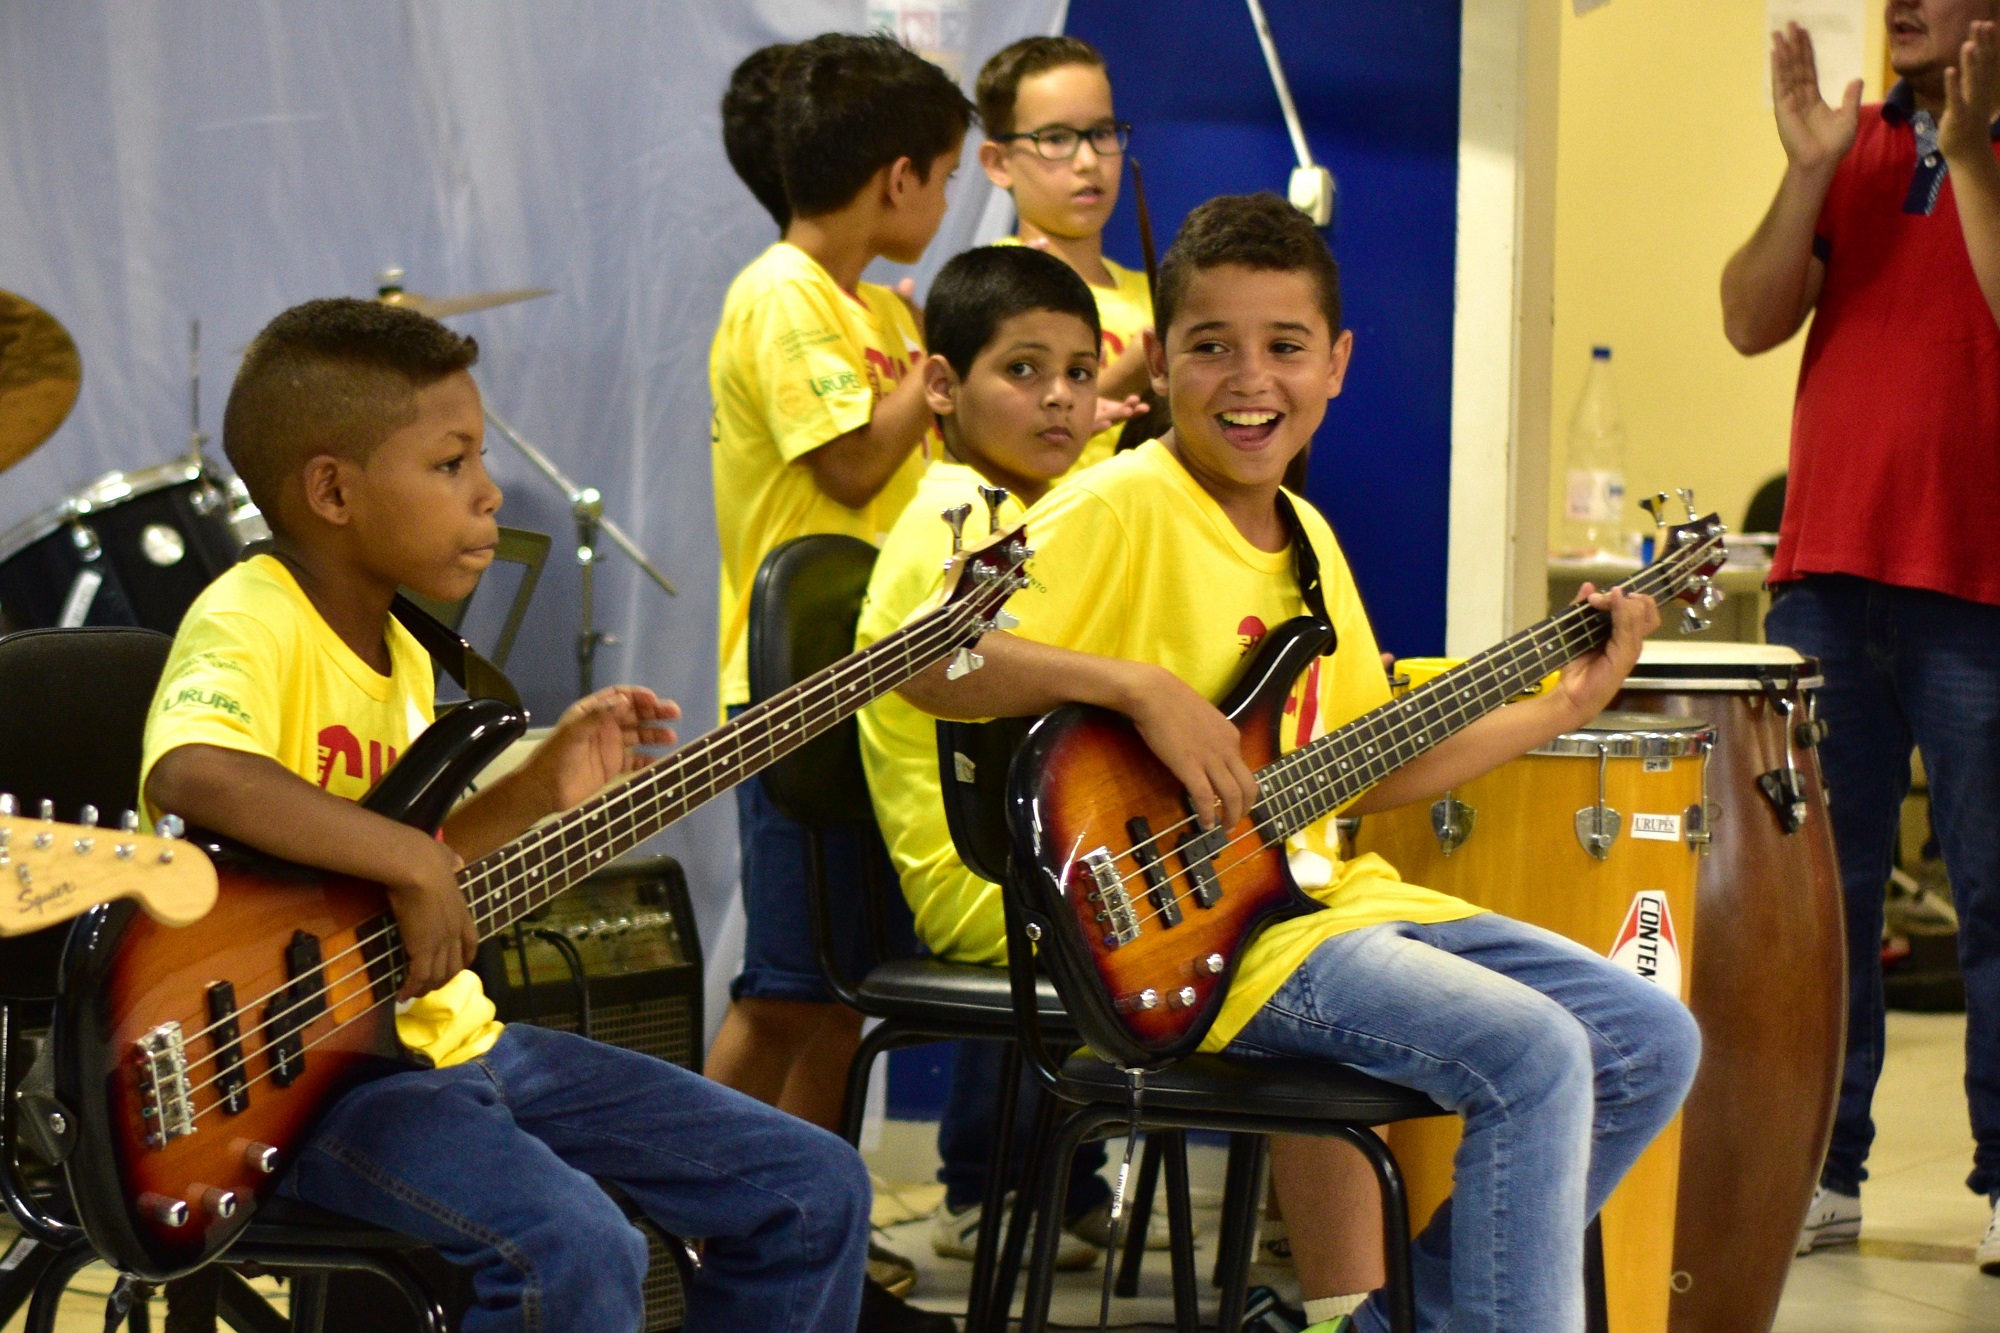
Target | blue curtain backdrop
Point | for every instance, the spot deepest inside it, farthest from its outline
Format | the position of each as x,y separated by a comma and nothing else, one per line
1377,89
224,159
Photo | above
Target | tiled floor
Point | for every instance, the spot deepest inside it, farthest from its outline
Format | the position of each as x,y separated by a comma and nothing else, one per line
1911,1274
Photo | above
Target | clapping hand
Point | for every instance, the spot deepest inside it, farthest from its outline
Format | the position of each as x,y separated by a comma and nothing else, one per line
1816,136
1971,95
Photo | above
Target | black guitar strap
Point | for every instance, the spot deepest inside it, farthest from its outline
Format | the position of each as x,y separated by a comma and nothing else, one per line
479,678
1305,567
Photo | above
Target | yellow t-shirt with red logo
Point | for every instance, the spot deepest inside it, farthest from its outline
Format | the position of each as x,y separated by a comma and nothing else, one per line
797,361
1124,313
255,668
1134,560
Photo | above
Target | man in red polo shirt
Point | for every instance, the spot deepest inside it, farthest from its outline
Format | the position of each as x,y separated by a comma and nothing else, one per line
1886,230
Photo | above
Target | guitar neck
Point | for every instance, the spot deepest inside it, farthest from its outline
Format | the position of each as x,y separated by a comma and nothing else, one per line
508,884
1314,780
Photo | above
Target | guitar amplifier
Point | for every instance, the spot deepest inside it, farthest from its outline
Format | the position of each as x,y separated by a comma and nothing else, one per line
618,956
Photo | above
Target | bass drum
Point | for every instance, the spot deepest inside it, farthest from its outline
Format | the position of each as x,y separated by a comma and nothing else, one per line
1768,983
132,548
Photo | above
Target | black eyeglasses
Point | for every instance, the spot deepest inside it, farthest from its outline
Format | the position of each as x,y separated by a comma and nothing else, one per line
1058,143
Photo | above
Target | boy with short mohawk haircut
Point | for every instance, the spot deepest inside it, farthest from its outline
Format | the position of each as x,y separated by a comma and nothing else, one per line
1053,142
818,422
1162,567
750,128
359,432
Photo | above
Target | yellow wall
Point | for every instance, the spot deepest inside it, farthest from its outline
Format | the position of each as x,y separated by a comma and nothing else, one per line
1666,158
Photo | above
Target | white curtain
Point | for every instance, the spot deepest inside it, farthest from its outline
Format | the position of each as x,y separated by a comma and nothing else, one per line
223,159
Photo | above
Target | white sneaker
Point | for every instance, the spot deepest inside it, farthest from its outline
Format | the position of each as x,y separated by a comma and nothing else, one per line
955,1235
1094,1227
1835,1219
1987,1256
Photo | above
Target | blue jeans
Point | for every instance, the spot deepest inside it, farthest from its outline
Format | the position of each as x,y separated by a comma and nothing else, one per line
1907,667
492,1161
965,1133
780,961
1562,1066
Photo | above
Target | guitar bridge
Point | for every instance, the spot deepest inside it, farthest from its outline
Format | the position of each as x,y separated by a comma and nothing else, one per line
1114,904
166,1102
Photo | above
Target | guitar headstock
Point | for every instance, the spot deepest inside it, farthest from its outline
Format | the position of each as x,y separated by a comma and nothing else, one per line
50,872
1689,554
979,578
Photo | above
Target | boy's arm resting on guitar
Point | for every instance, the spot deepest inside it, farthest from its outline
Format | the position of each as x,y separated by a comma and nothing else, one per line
1021,678
1585,688
257,801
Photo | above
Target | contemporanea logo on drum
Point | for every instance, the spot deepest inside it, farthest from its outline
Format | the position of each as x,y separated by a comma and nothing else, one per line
1647,945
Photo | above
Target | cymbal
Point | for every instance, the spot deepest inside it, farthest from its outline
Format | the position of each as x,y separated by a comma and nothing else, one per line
443,307
40,376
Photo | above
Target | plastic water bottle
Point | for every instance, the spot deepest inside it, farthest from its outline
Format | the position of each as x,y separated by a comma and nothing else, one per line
1594,506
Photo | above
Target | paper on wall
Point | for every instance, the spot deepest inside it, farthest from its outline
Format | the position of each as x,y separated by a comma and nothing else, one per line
1838,28
934,29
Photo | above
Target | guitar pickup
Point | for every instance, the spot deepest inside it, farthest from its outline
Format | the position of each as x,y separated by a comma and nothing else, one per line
1114,903
1197,852
1146,852
226,1044
166,1102
295,1006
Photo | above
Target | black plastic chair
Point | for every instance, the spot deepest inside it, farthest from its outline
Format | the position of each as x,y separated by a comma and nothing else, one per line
804,605
73,706
1238,1097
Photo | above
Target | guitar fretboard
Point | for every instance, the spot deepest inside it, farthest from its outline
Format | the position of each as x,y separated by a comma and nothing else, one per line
508,884
1317,779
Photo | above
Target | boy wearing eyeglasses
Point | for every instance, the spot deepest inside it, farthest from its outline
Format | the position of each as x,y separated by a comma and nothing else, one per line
1053,142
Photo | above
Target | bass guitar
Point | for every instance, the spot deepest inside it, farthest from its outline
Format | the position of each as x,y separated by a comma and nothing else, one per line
199,1060
1140,915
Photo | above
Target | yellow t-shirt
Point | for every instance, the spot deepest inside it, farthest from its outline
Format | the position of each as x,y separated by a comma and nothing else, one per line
1134,560
958,913
797,361
1124,312
255,668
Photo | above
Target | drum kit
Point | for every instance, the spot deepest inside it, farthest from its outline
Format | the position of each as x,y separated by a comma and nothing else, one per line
136,548
1685,836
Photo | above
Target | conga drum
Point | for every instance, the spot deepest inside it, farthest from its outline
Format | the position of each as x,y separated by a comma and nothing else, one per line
1768,984
1596,836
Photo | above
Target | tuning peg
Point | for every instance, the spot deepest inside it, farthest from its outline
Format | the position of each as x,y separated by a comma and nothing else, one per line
954,518
8,805
1692,621
48,812
87,816
995,496
1002,620
1656,505
963,663
129,822
1709,597
170,826
1687,500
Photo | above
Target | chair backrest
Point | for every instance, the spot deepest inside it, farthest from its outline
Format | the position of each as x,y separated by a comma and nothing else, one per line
1767,506
973,759
73,706
803,608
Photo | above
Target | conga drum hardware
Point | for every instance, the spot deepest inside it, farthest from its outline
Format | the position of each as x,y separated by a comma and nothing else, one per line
1451,821
1598,825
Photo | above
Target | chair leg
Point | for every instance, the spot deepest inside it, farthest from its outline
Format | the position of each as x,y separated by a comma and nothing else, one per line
986,1251
1180,1235
1140,1218
21,1267
309,1302
1053,1185
1596,1305
1242,1200
48,1295
1395,1224
854,1105
241,1307
1001,1298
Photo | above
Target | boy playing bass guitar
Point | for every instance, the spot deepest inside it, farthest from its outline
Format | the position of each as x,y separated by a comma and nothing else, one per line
1174,560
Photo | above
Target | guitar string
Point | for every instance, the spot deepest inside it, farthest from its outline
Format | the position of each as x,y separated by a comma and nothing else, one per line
695,787
947,635
1401,715
1154,840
